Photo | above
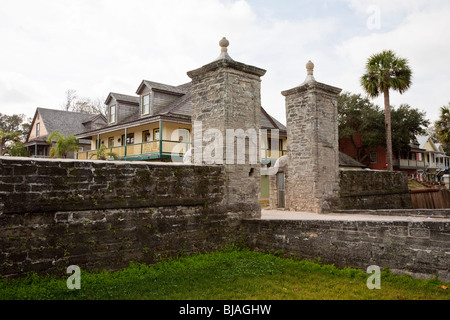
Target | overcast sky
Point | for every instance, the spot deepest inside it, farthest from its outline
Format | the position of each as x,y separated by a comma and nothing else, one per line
96,47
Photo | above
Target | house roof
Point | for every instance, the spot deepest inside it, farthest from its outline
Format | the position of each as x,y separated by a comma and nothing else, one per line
161,87
65,122
181,107
423,141
122,98
347,161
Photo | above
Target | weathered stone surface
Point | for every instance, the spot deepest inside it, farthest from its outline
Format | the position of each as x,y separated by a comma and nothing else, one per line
372,190
226,98
312,180
419,249
49,185
102,215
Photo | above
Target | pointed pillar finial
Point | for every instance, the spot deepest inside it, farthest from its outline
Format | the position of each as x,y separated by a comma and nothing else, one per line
224,43
309,72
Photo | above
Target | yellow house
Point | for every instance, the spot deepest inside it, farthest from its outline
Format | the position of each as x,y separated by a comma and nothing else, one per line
436,161
155,124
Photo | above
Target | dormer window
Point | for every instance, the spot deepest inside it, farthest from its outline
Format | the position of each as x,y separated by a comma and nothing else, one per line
112,114
146,104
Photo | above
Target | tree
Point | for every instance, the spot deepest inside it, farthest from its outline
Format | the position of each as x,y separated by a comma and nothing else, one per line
102,154
18,149
63,145
442,127
15,123
386,71
359,119
407,123
71,96
85,105
6,138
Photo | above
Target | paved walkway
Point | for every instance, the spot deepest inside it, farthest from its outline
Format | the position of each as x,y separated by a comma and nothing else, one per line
292,215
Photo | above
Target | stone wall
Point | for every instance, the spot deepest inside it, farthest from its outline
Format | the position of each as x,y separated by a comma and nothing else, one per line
48,185
146,212
416,248
102,215
372,190
359,190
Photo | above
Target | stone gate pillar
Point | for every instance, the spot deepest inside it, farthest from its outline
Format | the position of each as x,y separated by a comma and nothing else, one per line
226,120
312,183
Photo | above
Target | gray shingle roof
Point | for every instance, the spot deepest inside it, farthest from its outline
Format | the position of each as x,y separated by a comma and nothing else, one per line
65,122
161,87
347,161
182,106
122,98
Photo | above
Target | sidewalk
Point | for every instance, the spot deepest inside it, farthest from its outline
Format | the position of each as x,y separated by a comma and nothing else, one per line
292,215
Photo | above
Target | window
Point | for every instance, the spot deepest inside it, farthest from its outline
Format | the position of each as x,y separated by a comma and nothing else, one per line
38,129
269,144
146,136
146,104
110,142
155,134
112,114
184,135
130,139
373,157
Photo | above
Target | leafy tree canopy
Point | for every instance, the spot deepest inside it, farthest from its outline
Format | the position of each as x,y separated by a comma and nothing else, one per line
13,129
63,145
357,116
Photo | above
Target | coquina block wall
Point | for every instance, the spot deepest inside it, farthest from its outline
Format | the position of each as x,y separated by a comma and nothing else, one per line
373,190
360,190
102,215
420,249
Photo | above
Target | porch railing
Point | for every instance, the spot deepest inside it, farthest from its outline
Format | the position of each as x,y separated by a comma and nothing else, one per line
151,149
160,149
415,164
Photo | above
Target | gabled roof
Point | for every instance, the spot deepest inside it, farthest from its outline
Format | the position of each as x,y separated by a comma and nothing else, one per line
347,161
160,87
423,140
65,122
95,117
181,106
122,98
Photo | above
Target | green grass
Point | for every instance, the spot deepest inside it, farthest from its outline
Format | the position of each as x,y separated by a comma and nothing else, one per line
226,275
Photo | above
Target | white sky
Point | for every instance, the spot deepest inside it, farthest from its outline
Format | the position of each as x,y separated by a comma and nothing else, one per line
102,46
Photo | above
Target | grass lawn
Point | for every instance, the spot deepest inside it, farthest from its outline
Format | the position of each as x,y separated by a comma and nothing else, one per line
232,274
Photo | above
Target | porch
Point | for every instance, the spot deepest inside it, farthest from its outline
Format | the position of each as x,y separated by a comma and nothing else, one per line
150,150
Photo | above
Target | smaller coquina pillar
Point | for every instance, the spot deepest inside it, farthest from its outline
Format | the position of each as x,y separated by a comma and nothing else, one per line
312,182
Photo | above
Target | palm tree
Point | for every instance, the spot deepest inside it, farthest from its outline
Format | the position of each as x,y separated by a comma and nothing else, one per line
443,127
102,153
385,71
63,145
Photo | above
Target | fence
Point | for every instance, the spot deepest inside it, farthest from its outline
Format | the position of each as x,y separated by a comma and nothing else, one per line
427,198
